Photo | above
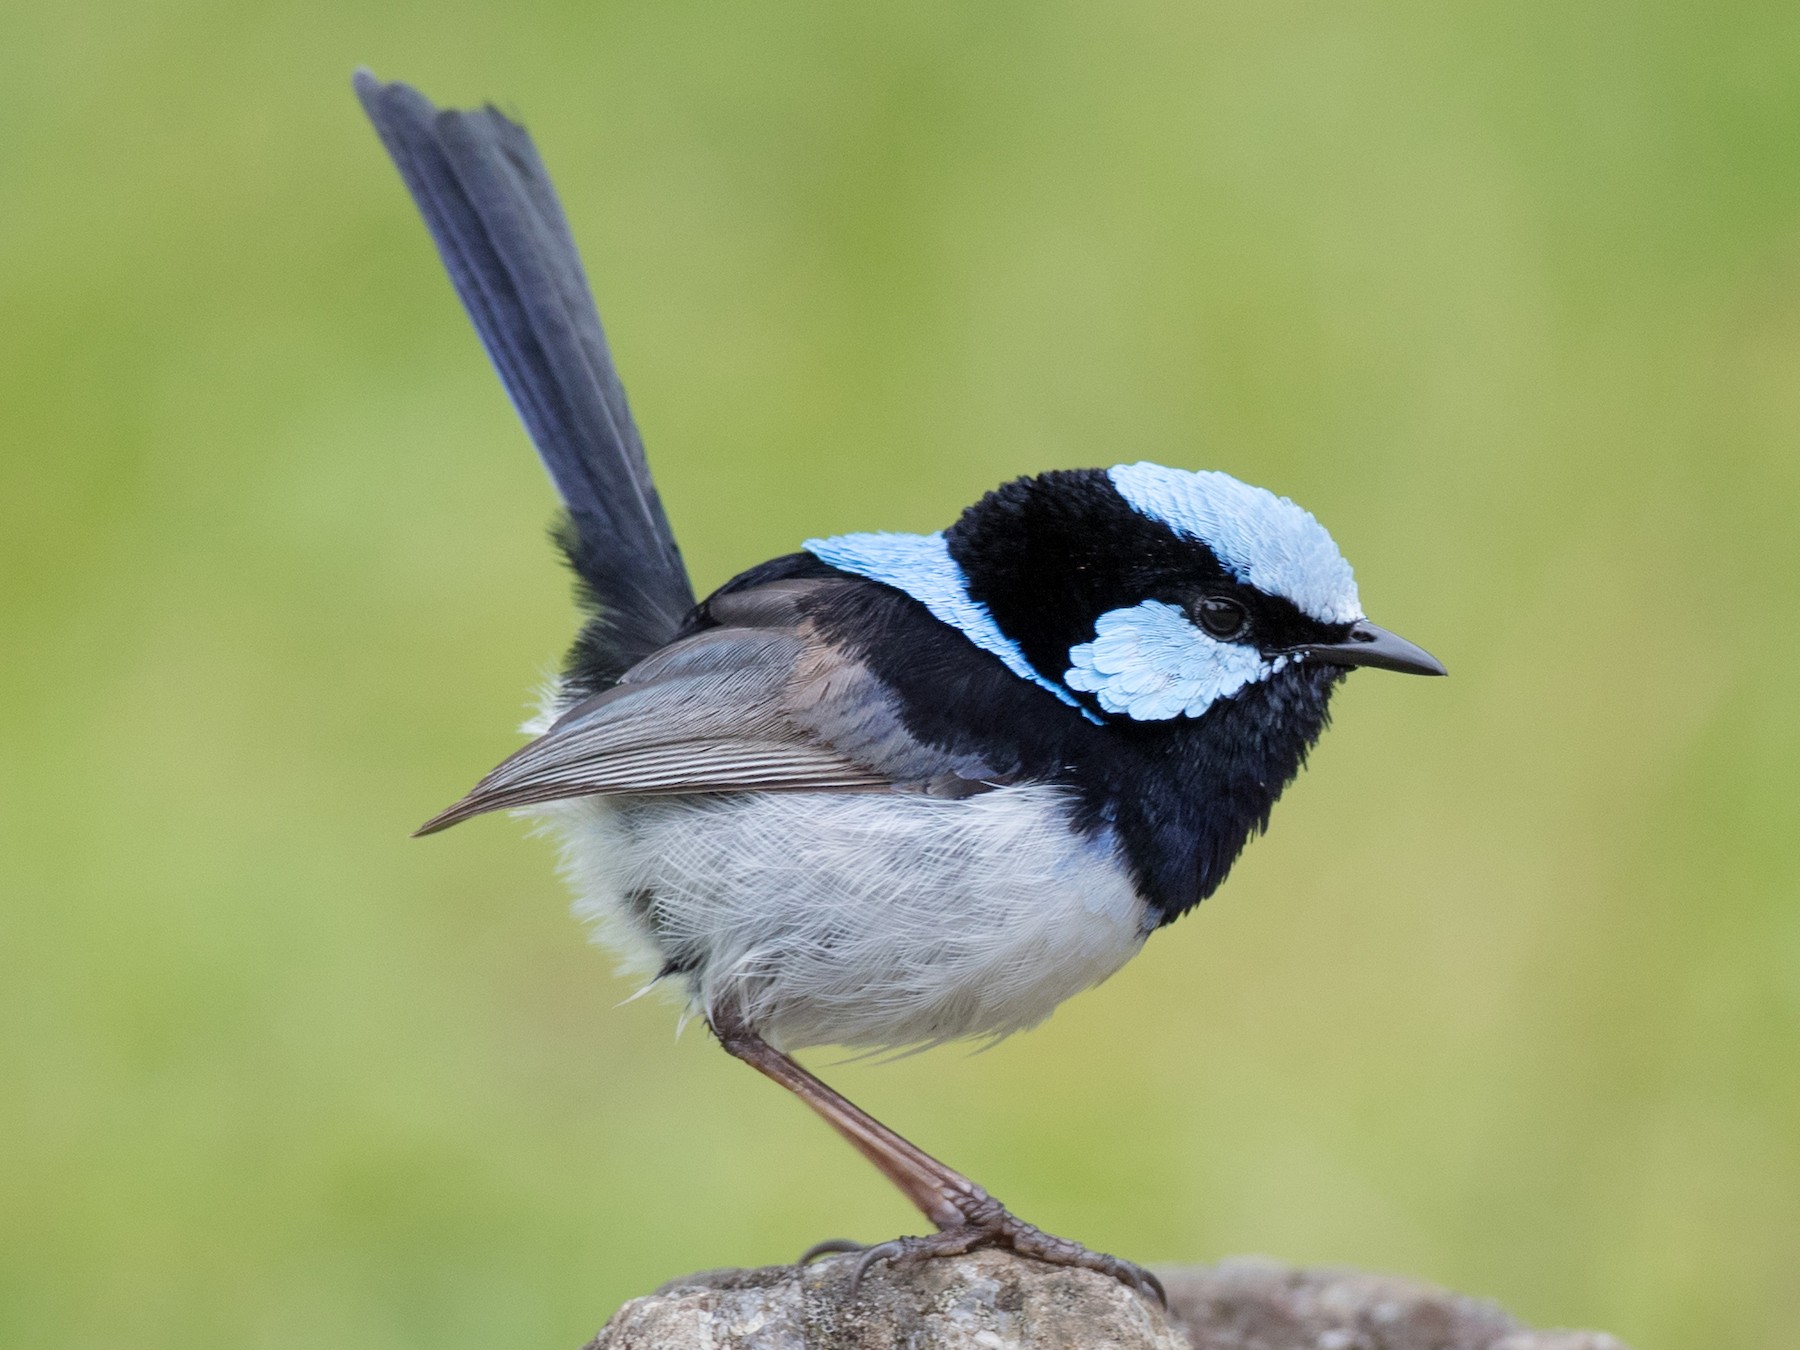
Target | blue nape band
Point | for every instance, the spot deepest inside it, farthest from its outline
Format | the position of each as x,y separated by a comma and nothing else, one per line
921,566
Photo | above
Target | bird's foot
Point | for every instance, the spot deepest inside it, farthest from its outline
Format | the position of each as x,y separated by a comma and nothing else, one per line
987,1223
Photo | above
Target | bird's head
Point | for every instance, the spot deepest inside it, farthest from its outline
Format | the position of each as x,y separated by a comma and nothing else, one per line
1151,593
1139,593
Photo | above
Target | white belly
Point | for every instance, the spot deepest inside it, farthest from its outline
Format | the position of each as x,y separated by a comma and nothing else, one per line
868,920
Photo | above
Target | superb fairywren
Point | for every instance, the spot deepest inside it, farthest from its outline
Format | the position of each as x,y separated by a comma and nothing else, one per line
891,790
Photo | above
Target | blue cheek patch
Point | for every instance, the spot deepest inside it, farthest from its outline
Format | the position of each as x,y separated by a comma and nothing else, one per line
1151,664
921,566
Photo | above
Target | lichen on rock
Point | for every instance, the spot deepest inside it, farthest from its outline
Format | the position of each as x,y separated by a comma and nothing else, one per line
994,1300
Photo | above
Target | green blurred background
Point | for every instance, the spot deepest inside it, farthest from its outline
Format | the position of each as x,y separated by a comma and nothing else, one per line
1508,293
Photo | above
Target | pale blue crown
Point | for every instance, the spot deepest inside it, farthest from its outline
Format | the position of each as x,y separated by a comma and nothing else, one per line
1263,540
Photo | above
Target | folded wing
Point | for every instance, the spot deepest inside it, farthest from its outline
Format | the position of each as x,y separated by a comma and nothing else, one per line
758,704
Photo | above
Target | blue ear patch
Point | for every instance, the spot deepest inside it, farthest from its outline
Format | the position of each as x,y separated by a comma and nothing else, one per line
1151,664
921,566
1263,540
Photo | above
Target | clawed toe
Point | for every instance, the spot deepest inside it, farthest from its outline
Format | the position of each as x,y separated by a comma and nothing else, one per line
905,1250
1000,1230
1034,1242
1127,1273
830,1247
1142,1280
881,1251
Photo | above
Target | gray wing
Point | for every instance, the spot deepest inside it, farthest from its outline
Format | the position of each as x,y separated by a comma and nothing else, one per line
760,704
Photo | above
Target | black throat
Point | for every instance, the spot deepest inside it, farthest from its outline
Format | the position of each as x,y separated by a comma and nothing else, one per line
1188,794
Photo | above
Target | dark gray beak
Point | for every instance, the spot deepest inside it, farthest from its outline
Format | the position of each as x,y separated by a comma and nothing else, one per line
1368,645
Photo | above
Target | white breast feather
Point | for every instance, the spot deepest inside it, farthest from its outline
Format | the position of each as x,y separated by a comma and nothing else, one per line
877,921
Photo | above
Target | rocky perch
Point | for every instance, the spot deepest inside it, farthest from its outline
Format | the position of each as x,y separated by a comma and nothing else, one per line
994,1300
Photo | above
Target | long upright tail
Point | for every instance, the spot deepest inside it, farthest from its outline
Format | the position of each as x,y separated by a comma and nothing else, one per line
488,202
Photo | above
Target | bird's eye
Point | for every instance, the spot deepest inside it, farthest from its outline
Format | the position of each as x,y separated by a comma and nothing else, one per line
1222,618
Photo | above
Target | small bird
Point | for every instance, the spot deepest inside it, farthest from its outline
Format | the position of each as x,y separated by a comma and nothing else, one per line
891,790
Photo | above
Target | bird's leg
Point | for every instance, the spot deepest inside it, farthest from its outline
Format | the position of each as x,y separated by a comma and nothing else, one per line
967,1217
943,1196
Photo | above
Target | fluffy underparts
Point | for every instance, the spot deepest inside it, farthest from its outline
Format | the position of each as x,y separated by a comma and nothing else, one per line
878,922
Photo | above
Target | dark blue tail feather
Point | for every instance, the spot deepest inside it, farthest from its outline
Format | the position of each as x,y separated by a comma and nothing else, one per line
494,215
